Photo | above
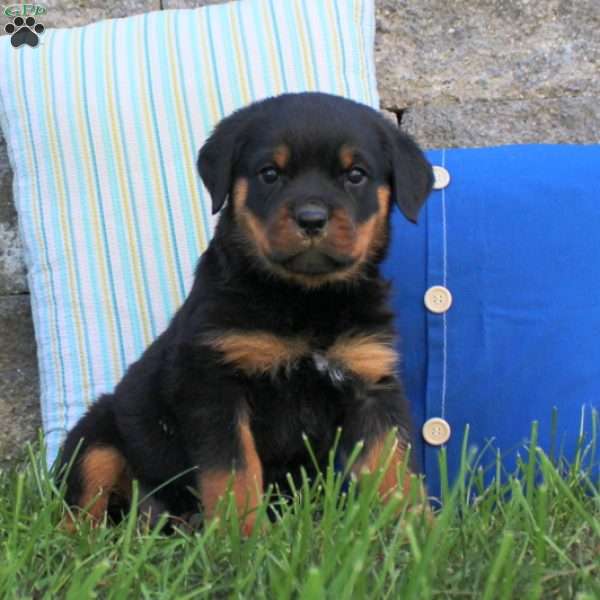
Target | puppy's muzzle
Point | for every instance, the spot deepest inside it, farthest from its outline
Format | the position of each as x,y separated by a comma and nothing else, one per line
311,218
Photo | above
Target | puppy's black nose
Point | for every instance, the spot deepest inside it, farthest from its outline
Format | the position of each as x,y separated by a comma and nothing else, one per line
311,218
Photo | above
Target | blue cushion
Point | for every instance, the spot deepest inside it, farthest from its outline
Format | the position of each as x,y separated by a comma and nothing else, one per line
515,237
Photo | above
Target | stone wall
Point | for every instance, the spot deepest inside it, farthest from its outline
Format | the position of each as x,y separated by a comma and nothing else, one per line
460,73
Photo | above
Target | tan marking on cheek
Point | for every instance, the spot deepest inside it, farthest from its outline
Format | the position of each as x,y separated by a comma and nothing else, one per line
364,238
246,482
383,199
240,193
371,235
341,232
282,233
257,232
257,353
380,234
250,225
367,356
103,471
281,156
346,156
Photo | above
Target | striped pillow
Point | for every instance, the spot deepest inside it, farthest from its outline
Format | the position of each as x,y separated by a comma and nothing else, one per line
103,124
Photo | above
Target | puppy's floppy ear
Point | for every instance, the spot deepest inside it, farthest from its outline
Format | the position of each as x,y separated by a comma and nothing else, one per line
412,176
217,158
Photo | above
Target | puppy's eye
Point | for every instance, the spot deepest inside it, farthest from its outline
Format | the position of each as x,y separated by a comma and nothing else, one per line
269,174
355,176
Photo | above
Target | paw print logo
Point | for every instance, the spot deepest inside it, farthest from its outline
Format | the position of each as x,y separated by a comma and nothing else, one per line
24,31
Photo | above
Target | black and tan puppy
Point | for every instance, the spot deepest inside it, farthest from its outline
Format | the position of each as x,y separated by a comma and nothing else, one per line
286,330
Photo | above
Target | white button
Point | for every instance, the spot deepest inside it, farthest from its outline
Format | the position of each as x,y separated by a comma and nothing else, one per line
441,177
438,299
436,431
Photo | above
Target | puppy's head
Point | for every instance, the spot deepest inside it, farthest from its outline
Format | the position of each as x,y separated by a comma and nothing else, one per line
311,180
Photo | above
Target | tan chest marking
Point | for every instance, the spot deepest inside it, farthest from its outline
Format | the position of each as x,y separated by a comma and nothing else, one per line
258,353
366,355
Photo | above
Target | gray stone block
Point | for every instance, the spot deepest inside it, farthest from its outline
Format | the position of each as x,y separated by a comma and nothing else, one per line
12,267
17,341
481,123
72,13
435,51
189,3
19,413
19,385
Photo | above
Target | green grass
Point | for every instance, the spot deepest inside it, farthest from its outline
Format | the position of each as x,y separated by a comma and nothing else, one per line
535,534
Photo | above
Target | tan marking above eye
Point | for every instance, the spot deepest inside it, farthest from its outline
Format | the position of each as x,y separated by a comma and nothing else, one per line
258,352
346,156
366,355
281,156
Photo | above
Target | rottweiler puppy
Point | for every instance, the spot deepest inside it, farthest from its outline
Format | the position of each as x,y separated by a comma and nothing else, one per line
286,331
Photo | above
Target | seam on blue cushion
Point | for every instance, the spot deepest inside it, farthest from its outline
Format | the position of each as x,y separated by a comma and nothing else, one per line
434,322
445,283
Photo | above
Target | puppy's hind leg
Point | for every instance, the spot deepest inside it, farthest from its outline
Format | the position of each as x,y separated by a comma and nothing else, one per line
92,463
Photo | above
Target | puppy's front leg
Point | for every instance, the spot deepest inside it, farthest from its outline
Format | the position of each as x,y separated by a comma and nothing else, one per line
371,422
221,445
246,480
